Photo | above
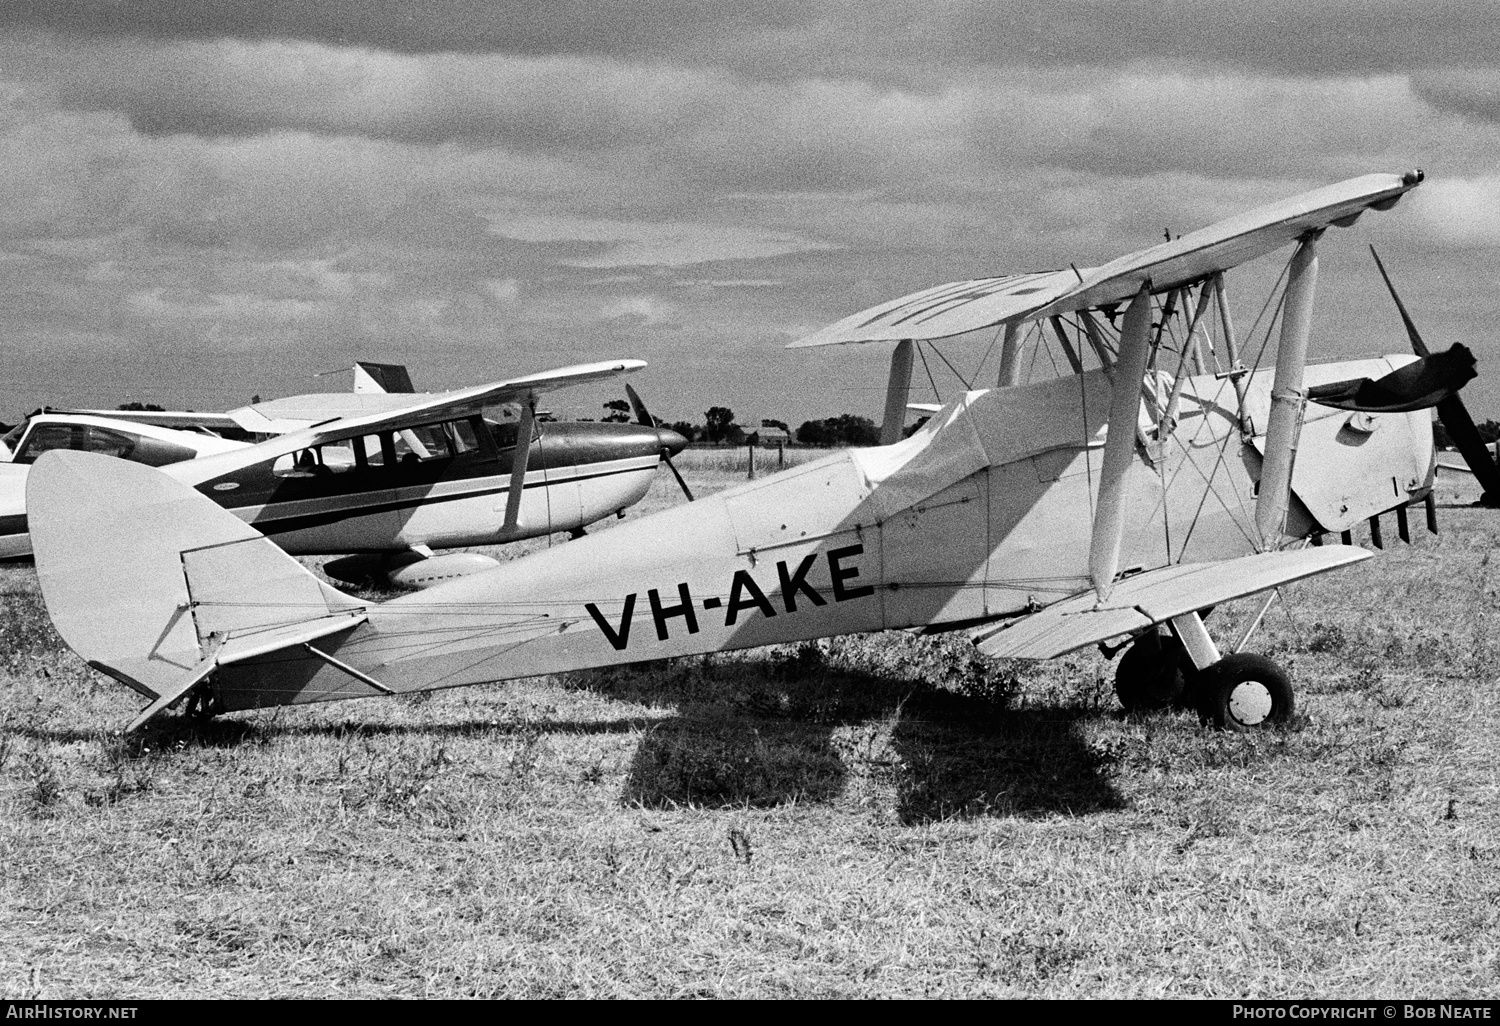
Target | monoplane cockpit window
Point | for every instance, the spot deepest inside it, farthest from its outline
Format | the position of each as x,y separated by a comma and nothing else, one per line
414,445
435,441
11,439
504,424
505,434
368,451
319,461
46,437
111,442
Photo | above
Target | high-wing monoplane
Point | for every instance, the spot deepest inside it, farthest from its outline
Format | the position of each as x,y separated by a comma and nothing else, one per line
155,437
1156,478
386,475
87,431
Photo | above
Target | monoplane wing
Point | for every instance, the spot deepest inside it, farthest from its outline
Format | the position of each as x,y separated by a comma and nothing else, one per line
180,420
1154,597
396,411
404,409
293,413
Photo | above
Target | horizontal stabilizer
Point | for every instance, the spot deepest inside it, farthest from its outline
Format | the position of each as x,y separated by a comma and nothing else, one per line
1153,597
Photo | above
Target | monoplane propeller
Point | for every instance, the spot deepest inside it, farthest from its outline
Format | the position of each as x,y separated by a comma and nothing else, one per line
1451,411
643,417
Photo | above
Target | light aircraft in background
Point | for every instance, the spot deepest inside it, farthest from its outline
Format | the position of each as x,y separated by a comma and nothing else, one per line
92,431
1152,480
153,437
385,475
389,477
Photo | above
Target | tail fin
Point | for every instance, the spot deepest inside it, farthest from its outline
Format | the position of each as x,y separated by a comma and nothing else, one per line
156,585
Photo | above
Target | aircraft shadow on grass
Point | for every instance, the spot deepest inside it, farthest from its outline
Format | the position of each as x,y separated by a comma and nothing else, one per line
771,737
775,739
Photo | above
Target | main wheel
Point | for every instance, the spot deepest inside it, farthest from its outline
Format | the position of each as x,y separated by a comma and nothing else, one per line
1150,674
1246,692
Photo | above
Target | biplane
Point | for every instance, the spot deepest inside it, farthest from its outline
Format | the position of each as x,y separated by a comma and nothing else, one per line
1159,476
382,472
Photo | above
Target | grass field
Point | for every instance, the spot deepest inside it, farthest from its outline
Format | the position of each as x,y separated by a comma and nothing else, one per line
877,816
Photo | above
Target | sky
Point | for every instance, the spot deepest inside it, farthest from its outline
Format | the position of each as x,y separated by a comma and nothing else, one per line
204,202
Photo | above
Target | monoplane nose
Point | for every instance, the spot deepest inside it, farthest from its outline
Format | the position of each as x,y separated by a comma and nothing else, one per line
671,441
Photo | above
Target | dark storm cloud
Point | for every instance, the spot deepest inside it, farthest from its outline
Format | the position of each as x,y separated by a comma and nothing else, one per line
501,186
457,26
870,38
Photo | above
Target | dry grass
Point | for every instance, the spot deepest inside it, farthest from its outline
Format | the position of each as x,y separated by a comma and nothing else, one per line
863,817
735,460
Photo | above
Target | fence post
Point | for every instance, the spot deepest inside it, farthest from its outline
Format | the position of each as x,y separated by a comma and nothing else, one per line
750,448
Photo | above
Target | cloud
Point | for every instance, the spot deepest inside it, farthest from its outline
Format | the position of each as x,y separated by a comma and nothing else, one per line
1459,212
506,186
1471,93
639,243
639,311
893,40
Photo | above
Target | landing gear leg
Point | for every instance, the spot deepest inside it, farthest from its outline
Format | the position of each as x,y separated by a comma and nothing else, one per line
1241,691
203,702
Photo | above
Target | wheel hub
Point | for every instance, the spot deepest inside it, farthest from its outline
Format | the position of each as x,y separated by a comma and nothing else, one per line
1250,702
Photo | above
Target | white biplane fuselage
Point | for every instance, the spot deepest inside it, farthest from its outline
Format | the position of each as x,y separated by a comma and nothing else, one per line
1046,517
975,518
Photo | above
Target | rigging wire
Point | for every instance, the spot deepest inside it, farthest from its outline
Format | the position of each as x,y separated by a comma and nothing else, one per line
956,374
936,395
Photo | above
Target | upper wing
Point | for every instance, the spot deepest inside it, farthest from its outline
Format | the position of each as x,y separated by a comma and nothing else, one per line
1154,597
180,420
1234,241
964,306
946,310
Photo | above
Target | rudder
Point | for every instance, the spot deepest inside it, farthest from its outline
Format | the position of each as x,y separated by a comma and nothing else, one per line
155,584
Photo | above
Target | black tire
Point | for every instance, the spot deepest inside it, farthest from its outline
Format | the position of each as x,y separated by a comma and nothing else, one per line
1246,692
1150,674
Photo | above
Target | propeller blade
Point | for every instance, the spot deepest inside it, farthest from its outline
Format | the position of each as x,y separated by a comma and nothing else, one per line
641,415
1451,411
680,482
1417,345
1460,428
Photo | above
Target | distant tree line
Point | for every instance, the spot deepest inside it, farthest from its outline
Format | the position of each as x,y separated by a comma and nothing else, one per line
845,429
1489,432
720,428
